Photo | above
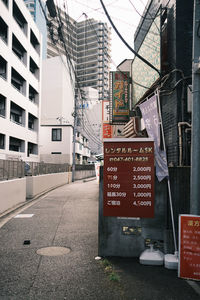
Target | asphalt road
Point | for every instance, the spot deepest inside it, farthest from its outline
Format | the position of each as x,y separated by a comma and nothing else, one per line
48,250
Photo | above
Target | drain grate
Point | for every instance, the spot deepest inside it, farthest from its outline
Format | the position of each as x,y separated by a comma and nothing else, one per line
53,251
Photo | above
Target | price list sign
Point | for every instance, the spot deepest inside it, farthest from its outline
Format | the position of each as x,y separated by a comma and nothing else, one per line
128,178
189,247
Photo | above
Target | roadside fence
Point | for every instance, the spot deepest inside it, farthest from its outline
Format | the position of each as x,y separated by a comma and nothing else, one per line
10,169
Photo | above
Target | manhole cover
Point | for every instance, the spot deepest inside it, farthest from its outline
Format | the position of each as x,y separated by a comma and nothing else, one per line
53,251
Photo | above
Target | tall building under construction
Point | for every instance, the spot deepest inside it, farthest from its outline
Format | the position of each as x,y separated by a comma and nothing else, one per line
87,44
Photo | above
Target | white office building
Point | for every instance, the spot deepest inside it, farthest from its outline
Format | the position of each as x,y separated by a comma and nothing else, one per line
57,111
20,69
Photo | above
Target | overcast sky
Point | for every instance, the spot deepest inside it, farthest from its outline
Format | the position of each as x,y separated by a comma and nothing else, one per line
125,14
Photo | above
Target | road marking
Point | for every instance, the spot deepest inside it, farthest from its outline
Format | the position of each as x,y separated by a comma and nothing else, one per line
24,216
195,286
19,210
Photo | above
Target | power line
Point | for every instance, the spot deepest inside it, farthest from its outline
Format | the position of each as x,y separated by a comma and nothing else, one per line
129,47
145,17
113,17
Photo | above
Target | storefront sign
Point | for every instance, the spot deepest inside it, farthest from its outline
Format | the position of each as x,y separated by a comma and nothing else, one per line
119,84
107,131
129,177
189,247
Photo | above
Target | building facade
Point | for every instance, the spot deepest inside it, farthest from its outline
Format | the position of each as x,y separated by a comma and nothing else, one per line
20,74
87,43
57,122
34,7
93,56
166,31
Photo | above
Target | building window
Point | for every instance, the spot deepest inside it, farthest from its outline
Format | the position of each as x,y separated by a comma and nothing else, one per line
17,114
33,94
2,106
18,49
34,41
16,144
3,30
2,141
18,81
32,149
3,67
56,134
6,2
34,68
19,18
56,152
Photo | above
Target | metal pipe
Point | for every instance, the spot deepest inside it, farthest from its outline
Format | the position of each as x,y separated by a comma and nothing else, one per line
195,153
180,140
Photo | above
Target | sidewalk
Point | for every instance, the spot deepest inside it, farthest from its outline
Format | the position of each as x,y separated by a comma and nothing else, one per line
48,250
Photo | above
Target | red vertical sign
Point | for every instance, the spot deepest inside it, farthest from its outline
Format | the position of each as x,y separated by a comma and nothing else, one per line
189,247
129,178
107,131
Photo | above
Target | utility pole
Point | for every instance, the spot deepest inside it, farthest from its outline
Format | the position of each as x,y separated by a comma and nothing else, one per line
195,152
74,140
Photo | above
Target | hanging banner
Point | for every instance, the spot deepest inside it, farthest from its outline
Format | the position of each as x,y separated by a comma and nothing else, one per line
128,177
151,119
105,111
119,85
107,131
189,247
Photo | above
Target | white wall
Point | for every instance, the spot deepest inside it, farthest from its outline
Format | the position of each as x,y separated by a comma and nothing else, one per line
7,90
47,146
56,110
13,192
39,184
57,92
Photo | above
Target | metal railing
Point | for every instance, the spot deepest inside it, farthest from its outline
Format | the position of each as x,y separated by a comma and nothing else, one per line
10,169
45,168
84,167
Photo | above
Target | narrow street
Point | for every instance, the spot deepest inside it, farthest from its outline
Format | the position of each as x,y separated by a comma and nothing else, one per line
66,217
48,251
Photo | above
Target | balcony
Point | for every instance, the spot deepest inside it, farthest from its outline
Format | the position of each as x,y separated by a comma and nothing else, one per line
87,72
88,78
3,31
87,66
87,60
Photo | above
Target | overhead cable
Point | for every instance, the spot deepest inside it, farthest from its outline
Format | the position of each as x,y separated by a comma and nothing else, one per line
129,47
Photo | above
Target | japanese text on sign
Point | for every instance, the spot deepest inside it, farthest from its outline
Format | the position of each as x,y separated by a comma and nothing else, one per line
120,96
129,178
189,245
